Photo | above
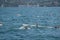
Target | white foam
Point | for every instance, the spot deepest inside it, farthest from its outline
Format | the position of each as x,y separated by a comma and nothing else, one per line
32,25
24,27
21,27
1,24
38,16
25,24
28,28
49,27
40,26
18,14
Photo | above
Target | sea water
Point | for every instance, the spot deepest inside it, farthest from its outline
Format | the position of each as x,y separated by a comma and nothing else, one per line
12,18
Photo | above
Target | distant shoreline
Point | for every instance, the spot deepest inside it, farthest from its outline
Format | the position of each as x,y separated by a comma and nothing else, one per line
39,3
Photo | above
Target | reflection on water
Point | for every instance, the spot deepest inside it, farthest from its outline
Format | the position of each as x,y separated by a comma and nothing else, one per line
11,19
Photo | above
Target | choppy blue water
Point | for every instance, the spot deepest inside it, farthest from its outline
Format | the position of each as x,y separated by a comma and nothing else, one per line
12,18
